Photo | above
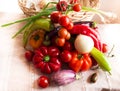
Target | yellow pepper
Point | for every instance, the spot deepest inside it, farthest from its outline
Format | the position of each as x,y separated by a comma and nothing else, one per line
36,39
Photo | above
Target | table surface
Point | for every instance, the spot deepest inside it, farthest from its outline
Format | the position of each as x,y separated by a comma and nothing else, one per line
17,75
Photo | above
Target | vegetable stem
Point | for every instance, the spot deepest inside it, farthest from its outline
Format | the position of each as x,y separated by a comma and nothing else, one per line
11,23
111,51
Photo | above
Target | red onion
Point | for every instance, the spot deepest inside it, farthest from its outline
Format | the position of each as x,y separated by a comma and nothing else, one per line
63,77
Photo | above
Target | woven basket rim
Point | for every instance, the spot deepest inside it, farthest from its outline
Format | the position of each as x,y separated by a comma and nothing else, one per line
77,15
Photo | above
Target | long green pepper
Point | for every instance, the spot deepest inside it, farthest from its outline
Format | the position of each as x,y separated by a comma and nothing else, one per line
101,59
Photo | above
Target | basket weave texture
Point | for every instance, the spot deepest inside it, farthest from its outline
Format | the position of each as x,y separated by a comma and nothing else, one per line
85,16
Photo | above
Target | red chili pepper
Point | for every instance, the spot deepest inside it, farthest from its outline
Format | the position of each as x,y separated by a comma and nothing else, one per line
79,28
86,30
46,59
97,42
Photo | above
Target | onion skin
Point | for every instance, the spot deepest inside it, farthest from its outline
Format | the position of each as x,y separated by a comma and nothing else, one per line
63,77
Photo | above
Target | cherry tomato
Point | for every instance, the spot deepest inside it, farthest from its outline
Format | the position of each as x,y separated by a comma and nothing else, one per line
43,81
29,55
68,36
55,15
104,48
64,20
77,7
66,56
69,26
62,33
67,46
62,6
60,41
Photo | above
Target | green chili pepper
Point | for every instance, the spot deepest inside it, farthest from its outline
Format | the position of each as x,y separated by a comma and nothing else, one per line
101,59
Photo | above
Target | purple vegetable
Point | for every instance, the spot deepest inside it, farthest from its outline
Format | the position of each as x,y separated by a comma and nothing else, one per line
52,33
88,23
63,77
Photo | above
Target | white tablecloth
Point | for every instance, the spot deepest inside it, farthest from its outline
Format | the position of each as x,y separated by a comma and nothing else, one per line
16,74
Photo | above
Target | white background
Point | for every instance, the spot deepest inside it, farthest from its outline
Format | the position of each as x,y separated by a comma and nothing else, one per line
9,6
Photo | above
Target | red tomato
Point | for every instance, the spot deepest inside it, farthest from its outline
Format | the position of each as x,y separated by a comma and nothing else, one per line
29,55
76,63
80,62
87,62
67,46
60,41
43,81
62,33
68,36
66,56
69,26
77,7
104,48
55,16
64,20
62,6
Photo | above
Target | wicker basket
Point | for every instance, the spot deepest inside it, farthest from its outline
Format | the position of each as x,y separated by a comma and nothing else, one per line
85,16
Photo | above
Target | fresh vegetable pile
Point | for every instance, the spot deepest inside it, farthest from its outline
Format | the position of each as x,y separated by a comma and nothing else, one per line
59,47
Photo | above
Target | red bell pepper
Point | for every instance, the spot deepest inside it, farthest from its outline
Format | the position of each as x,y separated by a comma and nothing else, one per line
46,59
80,62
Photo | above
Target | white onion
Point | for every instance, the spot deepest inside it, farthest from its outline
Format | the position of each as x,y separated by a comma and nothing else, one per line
83,44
